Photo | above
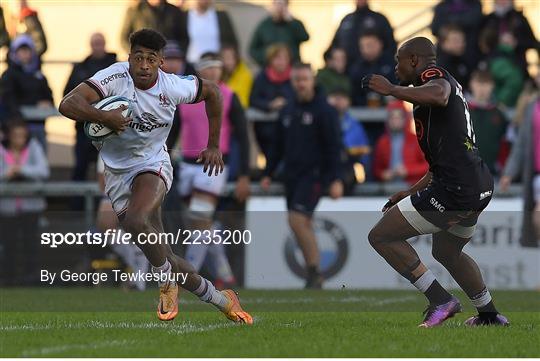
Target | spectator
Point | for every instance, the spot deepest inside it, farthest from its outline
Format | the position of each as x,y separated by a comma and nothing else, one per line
4,36
158,15
504,67
353,135
29,24
24,84
203,192
21,160
236,74
280,27
531,91
308,141
99,58
506,19
525,159
208,30
488,120
372,60
174,60
398,156
333,76
361,20
452,55
4,41
465,14
271,89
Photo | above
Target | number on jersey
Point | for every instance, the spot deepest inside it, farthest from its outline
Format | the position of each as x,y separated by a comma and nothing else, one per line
470,130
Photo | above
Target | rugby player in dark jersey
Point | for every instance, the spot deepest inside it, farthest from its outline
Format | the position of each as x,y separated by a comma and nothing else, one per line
447,201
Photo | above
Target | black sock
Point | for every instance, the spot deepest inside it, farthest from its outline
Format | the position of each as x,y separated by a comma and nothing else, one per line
312,271
488,310
436,294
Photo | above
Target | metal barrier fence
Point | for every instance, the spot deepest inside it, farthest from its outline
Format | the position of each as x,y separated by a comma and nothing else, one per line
363,114
90,190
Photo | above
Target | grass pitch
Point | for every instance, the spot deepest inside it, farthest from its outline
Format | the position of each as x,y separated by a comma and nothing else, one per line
101,322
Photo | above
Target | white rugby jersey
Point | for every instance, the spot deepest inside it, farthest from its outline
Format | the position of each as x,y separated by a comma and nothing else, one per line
144,139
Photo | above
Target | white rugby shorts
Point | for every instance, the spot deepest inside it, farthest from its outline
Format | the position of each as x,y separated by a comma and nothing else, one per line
118,183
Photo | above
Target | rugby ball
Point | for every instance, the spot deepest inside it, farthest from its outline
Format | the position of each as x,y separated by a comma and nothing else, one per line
99,132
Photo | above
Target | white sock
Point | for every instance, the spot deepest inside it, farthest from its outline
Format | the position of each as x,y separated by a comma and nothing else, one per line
208,293
162,272
481,299
220,262
424,281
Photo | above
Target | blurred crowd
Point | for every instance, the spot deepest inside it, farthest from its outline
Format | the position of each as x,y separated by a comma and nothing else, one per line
484,52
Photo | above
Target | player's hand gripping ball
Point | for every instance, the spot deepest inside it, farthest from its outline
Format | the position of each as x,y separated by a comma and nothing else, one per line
119,109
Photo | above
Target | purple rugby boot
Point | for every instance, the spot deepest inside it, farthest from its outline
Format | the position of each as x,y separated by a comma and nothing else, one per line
496,320
435,315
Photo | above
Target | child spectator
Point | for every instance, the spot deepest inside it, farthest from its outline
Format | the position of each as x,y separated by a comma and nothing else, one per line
333,76
398,156
21,160
488,120
506,72
354,138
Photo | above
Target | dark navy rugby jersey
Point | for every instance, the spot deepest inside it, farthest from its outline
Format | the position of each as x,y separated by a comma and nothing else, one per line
446,136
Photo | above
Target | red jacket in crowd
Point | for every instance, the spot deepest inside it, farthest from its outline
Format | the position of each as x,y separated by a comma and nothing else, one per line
413,158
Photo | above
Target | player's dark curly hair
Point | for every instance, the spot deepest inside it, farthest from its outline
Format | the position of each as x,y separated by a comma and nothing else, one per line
147,38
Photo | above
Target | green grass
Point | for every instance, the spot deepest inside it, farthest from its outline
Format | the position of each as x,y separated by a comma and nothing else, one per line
100,322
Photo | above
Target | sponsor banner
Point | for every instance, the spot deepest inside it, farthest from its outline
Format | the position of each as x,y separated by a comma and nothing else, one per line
273,260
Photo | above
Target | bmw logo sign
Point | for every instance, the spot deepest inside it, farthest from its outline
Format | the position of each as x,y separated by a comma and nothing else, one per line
333,247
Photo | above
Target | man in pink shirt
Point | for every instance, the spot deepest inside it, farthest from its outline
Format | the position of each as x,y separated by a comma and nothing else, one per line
200,191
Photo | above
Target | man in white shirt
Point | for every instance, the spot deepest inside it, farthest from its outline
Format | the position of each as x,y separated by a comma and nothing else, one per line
208,30
138,170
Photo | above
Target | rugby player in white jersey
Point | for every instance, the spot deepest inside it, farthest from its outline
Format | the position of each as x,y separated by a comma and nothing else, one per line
138,171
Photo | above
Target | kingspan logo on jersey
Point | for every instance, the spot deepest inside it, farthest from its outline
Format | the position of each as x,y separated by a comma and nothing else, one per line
333,245
146,123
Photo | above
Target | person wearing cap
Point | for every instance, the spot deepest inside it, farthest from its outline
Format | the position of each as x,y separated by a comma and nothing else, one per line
23,83
202,192
174,60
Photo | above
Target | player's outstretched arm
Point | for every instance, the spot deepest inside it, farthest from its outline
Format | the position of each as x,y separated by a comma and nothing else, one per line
76,105
211,157
435,92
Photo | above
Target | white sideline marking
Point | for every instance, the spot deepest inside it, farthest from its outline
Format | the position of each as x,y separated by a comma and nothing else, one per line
71,347
174,329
